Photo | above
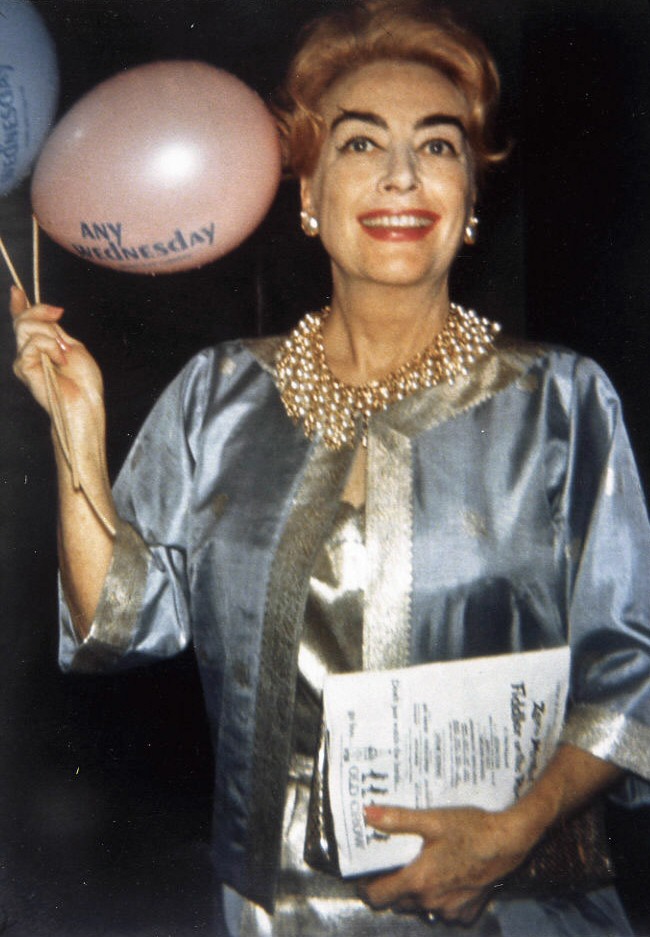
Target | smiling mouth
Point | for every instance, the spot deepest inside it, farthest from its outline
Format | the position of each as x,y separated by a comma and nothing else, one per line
397,221
407,225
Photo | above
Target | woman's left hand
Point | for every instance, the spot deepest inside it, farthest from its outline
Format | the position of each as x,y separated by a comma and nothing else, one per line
465,851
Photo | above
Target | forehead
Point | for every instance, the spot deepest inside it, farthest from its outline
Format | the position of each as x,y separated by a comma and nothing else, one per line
393,89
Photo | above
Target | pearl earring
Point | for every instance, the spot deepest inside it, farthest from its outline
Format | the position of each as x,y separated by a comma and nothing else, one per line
309,224
471,230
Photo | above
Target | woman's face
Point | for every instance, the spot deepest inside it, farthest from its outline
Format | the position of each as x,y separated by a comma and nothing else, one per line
393,186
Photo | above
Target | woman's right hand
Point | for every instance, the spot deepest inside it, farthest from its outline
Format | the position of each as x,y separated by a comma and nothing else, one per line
38,333
87,515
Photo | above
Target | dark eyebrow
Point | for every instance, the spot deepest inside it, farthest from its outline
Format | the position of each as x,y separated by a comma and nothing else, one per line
366,117
432,120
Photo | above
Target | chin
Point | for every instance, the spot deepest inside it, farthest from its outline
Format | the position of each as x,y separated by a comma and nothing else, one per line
403,265
399,274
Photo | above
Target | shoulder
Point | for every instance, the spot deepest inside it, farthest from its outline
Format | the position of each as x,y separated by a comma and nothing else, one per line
571,375
217,383
544,356
217,366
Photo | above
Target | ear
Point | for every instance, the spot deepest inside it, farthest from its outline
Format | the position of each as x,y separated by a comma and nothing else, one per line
470,202
306,200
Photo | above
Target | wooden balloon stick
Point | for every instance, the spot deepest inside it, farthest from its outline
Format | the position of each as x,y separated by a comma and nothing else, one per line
55,402
36,261
10,266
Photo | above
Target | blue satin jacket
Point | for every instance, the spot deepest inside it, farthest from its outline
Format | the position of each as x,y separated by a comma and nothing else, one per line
504,513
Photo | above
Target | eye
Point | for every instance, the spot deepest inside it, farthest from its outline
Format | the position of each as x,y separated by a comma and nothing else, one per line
439,147
358,144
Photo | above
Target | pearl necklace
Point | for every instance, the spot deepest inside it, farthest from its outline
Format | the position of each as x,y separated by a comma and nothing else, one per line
331,409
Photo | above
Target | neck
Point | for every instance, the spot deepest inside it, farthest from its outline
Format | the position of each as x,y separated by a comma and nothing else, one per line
373,329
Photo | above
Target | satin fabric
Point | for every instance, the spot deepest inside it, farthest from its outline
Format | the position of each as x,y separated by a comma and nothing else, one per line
332,633
308,902
313,904
503,513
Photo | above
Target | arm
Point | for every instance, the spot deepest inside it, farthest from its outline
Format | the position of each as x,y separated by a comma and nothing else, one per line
85,547
606,546
466,851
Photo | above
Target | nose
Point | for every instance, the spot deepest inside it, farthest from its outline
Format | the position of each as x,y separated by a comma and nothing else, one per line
401,174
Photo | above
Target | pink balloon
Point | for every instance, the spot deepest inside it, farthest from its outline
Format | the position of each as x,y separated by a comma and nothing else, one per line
162,168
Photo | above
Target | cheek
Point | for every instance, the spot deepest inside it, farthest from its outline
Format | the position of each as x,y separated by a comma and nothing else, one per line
338,187
456,198
337,204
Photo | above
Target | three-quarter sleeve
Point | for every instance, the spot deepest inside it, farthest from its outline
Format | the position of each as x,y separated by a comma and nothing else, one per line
607,554
143,611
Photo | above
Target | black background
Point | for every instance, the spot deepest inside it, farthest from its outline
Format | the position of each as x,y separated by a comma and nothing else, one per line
105,789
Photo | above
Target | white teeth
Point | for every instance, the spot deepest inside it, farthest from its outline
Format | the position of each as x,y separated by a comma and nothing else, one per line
396,221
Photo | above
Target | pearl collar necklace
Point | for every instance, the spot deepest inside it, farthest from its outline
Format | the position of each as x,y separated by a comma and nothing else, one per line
331,409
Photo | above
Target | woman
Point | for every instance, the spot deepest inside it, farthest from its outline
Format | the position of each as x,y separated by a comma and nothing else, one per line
489,486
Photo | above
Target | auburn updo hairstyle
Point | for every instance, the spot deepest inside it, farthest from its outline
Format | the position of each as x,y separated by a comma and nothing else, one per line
398,30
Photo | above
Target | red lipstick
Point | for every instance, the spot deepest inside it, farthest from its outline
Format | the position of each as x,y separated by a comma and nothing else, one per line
406,225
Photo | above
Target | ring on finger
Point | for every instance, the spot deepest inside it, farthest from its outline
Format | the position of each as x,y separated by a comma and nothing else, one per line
429,916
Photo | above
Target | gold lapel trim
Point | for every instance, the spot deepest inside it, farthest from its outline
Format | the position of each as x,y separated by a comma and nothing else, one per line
265,350
389,537
314,509
489,375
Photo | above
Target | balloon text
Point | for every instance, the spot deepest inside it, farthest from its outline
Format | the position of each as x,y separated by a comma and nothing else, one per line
111,246
9,124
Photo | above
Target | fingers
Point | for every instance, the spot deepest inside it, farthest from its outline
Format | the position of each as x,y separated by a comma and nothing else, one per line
30,330
402,820
457,906
462,907
468,910
392,889
19,307
35,337
17,301
64,337
32,321
29,359
451,872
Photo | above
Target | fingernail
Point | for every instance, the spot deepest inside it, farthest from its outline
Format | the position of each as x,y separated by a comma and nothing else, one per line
63,345
373,814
